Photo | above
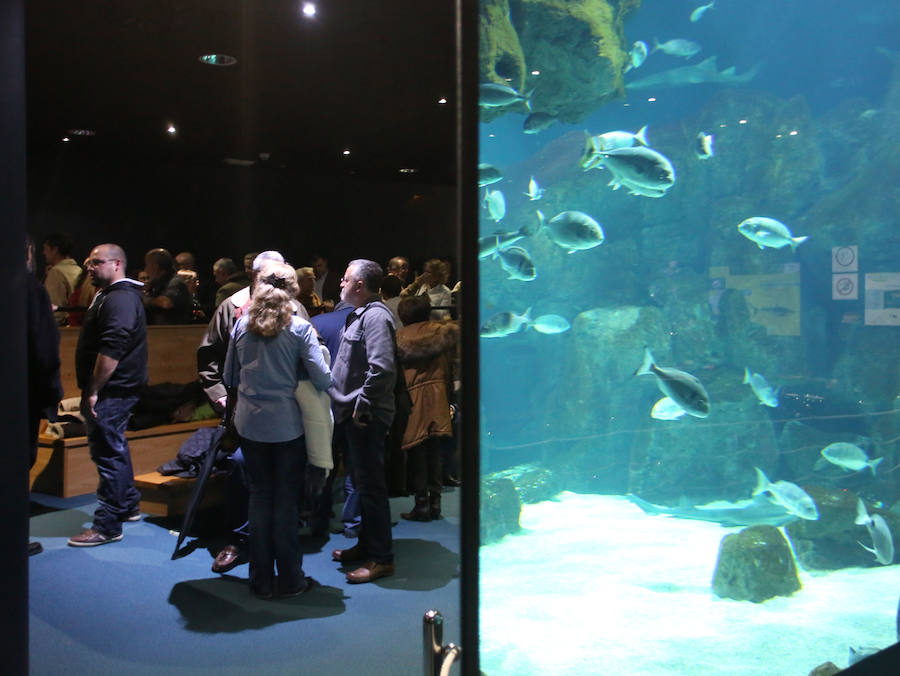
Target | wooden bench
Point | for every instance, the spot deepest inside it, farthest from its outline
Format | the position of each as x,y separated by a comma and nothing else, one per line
168,495
64,466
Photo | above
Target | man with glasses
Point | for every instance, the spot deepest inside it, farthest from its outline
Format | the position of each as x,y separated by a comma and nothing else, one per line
363,374
111,367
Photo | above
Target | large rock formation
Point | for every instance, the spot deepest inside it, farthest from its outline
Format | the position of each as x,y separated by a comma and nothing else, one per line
755,564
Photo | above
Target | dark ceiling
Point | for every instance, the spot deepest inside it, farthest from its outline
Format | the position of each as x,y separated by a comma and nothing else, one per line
362,75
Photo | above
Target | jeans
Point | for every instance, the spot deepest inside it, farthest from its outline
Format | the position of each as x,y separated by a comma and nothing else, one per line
275,471
116,493
365,464
237,499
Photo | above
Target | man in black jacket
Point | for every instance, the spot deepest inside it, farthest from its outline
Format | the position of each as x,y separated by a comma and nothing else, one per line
111,367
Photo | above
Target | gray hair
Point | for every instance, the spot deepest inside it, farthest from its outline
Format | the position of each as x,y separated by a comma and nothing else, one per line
369,272
266,256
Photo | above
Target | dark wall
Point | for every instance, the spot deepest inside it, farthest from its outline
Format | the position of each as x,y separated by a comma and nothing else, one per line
13,450
217,210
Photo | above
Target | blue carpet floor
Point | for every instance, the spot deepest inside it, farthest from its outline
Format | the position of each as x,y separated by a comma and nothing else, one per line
126,608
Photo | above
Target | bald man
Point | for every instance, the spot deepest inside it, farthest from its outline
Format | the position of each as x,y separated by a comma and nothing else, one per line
111,367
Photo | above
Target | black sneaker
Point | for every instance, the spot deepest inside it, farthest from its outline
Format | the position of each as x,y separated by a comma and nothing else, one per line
35,548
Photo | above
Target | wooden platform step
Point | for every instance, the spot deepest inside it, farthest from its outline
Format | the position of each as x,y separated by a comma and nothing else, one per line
168,495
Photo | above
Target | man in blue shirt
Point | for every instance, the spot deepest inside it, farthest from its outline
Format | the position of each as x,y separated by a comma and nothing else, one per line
111,367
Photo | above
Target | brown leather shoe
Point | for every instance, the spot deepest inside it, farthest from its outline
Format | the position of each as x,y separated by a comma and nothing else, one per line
92,538
228,558
355,553
370,571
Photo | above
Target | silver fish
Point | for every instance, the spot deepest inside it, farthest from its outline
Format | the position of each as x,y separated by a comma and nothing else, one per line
703,72
537,122
700,11
849,456
681,387
677,47
666,409
704,146
882,540
493,95
535,192
490,244
767,395
551,324
573,230
640,166
517,263
495,203
504,324
767,232
790,496
488,174
637,55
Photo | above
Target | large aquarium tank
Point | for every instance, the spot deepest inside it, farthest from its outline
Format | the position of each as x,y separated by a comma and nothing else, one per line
689,315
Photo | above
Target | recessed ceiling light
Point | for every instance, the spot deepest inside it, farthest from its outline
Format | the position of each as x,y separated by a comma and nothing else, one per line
309,9
218,60
171,129
65,139
442,100
346,152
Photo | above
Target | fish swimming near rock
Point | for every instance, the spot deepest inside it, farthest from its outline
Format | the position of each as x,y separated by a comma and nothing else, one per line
517,263
676,47
537,122
573,230
767,232
495,203
790,496
757,511
849,456
504,324
488,174
698,13
767,395
639,167
535,191
494,95
666,409
488,245
550,324
703,148
637,55
701,73
681,387
882,540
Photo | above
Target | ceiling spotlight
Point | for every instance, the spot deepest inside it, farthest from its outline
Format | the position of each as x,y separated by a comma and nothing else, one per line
65,139
171,130
442,100
346,152
309,9
217,60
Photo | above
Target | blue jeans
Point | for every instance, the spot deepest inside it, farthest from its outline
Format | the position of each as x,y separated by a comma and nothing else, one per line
365,464
116,493
275,471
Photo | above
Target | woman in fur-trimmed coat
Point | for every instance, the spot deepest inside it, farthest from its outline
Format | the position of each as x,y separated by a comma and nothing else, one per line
425,348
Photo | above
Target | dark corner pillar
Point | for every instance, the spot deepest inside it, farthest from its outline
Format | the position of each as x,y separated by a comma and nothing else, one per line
13,396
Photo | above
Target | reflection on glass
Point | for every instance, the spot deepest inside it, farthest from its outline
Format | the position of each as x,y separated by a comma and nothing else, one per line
690,301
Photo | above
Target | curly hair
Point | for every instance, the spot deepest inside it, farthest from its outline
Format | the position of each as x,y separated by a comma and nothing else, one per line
270,304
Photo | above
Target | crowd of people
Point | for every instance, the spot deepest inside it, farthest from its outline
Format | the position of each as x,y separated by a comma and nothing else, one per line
305,365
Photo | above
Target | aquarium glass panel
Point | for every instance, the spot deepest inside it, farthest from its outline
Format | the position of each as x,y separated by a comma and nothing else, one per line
689,269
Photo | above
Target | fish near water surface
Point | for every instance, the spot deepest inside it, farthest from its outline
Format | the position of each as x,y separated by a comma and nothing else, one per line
767,232
681,387
790,496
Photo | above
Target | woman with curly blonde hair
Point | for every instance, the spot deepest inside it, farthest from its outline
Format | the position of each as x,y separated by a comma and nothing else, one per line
270,350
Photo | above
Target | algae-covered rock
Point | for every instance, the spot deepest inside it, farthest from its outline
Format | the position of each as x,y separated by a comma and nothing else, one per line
755,564
500,509
570,54
533,483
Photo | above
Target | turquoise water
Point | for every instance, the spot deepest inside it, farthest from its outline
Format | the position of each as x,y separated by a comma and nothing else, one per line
753,289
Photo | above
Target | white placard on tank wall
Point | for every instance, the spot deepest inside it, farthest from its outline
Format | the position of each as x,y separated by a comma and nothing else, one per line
845,286
845,258
883,298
